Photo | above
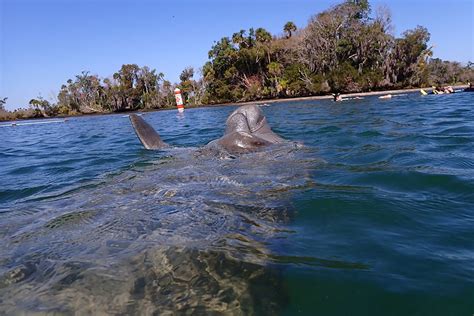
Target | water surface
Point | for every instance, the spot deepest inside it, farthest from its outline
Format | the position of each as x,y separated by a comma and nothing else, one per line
373,215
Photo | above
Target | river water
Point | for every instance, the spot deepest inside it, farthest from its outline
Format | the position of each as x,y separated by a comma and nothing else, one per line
368,210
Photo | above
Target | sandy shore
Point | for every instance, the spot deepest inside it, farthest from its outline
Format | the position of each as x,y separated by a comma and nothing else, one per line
325,97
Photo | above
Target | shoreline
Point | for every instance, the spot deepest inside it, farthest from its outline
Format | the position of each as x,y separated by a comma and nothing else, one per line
267,101
325,97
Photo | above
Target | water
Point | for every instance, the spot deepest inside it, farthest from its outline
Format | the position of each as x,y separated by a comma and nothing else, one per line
373,216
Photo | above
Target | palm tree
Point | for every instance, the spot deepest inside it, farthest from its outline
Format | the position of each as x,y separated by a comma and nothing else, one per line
289,28
2,103
238,38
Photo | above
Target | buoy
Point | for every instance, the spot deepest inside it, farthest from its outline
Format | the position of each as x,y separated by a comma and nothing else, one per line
179,100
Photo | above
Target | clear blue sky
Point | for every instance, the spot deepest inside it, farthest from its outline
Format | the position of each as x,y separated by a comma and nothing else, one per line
45,42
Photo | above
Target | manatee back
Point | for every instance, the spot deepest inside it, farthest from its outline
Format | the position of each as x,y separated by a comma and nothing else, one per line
250,119
241,142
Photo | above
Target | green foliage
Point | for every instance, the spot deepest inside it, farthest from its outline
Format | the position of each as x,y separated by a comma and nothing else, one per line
448,72
191,89
42,107
409,57
238,68
292,83
17,114
362,8
343,49
262,36
130,88
344,78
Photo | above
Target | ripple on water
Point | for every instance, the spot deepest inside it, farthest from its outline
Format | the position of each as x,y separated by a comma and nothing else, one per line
418,182
369,134
92,223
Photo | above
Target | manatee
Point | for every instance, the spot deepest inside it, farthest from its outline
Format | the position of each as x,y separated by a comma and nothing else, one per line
247,130
186,234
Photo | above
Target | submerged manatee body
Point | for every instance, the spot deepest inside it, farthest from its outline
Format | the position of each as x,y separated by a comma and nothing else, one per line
187,233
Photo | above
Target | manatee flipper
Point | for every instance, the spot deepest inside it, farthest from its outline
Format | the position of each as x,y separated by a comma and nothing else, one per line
147,135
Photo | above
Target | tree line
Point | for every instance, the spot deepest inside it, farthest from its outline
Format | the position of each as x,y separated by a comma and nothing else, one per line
346,48
343,49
